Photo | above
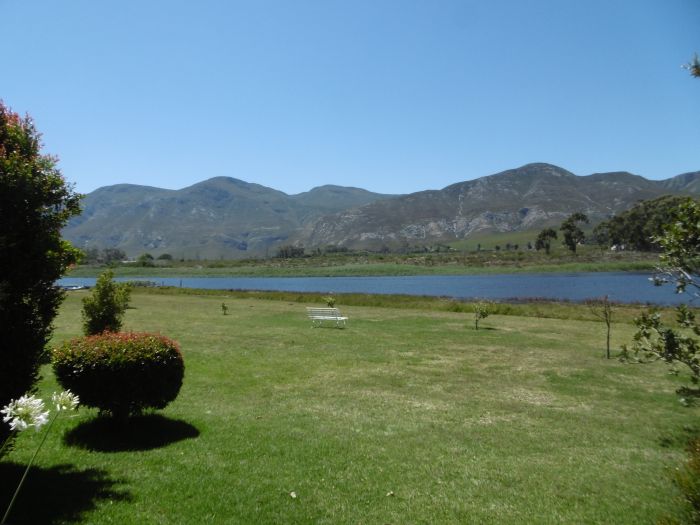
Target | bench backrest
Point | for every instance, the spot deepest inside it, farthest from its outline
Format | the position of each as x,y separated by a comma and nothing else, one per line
323,312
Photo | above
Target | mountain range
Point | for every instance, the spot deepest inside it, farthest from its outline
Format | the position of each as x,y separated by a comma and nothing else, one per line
225,217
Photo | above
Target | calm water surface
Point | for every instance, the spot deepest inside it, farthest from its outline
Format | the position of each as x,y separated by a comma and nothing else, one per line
623,287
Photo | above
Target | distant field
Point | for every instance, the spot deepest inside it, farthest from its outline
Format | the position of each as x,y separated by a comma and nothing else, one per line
407,416
444,263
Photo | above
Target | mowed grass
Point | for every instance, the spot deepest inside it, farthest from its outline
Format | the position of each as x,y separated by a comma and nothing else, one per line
405,416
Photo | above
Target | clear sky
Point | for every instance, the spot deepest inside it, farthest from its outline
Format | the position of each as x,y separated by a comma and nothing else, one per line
393,96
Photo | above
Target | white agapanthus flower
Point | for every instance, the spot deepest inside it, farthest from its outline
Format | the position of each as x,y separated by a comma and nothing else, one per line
25,412
65,400
28,411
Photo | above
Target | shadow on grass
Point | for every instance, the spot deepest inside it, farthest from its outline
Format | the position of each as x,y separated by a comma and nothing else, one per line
679,438
104,434
55,495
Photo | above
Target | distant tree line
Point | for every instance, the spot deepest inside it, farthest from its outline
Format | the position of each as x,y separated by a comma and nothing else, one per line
104,256
572,234
289,251
110,256
640,227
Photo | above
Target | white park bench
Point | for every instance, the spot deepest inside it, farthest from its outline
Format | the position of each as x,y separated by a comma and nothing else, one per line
318,315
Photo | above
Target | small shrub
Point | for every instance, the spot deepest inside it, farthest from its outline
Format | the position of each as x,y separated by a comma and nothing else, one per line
329,300
121,373
456,306
481,311
104,308
145,260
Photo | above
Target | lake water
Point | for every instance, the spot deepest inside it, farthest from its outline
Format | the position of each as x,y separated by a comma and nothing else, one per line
622,287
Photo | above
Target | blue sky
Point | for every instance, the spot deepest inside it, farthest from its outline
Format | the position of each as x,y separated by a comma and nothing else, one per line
391,96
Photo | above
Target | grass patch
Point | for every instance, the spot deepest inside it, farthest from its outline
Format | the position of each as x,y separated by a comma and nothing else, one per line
406,416
526,308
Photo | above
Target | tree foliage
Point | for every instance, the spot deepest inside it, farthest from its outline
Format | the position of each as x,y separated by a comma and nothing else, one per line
104,308
640,227
145,260
680,264
655,341
35,204
680,260
694,66
104,256
544,239
572,234
329,300
289,251
482,310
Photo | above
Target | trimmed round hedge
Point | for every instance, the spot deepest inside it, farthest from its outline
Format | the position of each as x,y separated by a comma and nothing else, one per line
121,373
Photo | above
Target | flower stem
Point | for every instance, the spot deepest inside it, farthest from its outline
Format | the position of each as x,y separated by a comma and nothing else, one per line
26,470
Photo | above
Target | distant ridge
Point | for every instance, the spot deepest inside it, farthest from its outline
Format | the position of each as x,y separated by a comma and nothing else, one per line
686,182
227,217
218,217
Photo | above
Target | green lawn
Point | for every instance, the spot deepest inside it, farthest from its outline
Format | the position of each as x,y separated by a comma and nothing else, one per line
406,416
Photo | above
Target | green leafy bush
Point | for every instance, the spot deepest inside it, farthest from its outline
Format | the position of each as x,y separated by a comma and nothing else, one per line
35,205
104,308
482,310
329,300
121,373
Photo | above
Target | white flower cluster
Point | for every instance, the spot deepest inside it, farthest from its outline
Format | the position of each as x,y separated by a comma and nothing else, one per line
25,412
29,411
65,400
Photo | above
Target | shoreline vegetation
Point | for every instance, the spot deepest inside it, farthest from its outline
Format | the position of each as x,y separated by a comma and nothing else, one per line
589,259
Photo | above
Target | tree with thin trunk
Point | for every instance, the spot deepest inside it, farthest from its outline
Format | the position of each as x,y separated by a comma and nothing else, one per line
603,309
481,311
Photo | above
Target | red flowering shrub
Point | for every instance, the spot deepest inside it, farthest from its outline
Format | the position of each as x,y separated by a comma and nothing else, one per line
35,205
121,373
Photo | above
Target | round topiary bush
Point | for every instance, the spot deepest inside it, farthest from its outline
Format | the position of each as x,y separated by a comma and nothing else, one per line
121,373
